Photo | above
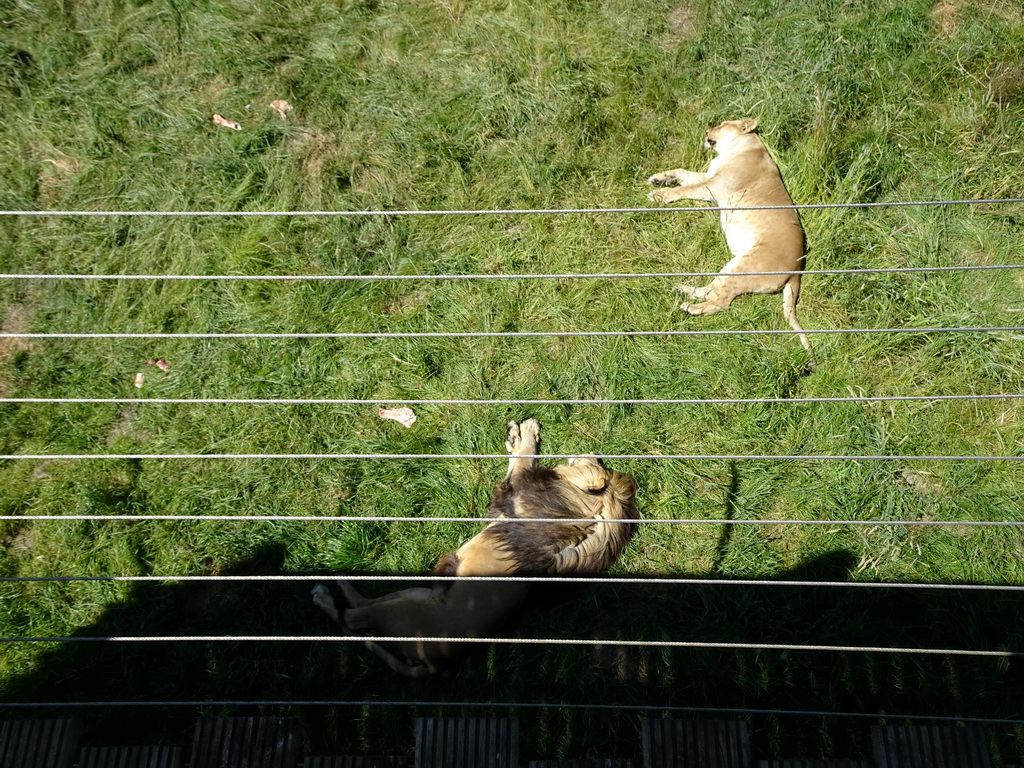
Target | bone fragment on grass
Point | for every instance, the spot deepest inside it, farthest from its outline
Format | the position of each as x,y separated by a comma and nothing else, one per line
281,107
162,364
140,379
403,416
226,123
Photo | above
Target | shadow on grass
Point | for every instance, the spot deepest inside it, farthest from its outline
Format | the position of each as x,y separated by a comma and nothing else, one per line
616,677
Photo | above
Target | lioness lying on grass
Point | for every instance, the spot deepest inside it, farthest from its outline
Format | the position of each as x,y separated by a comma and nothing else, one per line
744,174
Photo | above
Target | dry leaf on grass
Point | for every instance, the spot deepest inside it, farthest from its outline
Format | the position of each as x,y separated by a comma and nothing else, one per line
281,107
403,416
226,123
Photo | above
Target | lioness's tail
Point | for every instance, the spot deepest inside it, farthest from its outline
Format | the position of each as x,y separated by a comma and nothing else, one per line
790,296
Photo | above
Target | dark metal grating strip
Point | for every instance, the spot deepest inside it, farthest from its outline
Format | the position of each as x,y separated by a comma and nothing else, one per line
130,757
38,743
930,747
590,762
245,742
672,743
355,761
473,742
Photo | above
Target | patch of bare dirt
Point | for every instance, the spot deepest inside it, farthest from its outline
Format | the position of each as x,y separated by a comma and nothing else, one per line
16,320
946,13
681,26
944,19
56,169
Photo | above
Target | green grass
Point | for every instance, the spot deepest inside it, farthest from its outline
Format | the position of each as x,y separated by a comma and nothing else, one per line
509,105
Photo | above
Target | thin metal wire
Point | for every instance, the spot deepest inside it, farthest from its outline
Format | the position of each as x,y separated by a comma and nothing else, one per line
528,521
556,641
616,457
890,716
504,334
505,456
529,579
566,401
519,211
553,276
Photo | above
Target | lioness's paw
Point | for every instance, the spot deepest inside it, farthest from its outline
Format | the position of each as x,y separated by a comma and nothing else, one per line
661,195
686,290
663,179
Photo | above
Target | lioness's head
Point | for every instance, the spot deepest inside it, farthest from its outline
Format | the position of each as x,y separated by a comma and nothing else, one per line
722,136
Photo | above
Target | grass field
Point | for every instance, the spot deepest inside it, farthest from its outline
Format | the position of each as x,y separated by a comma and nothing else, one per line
508,104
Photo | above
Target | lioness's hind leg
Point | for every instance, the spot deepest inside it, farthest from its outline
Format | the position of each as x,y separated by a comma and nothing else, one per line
699,293
704,308
522,440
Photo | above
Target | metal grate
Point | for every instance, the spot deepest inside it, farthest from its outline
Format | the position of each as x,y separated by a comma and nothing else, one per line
695,744
351,761
245,742
129,757
592,762
38,743
472,742
930,747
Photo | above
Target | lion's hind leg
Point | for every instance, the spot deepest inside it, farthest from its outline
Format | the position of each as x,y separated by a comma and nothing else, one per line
522,440
322,599
415,671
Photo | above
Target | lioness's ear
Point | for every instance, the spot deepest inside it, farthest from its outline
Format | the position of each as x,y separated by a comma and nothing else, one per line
748,125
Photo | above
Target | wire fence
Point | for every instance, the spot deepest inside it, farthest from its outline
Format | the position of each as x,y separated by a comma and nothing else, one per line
616,581
522,276
143,400
549,641
628,580
521,211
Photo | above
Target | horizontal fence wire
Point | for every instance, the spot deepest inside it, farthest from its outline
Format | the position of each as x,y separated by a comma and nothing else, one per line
523,520
505,334
504,456
670,580
520,641
277,703
553,401
551,276
519,211
551,641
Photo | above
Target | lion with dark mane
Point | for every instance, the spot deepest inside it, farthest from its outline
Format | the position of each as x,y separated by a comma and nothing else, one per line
572,519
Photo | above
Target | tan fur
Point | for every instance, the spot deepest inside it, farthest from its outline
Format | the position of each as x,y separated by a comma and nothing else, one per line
743,174
579,494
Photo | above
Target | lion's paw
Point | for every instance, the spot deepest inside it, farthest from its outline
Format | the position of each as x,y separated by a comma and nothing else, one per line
512,437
